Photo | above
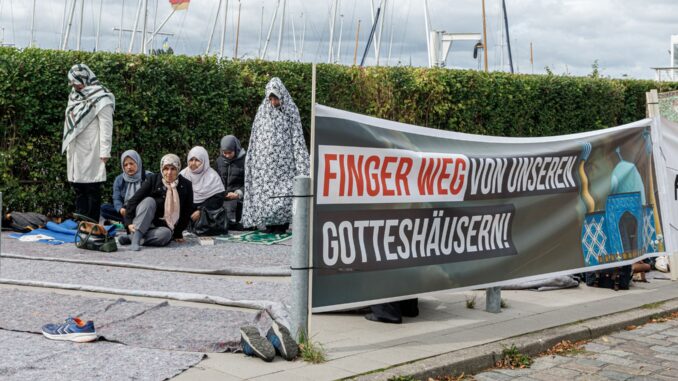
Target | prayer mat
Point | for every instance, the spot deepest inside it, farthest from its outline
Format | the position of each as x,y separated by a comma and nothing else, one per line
257,237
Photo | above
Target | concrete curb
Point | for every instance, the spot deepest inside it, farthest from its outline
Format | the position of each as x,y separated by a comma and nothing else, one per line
482,357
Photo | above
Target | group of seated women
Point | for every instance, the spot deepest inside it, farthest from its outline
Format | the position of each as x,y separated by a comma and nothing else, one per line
157,207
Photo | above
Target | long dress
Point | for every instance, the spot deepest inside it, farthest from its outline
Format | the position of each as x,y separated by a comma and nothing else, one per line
276,154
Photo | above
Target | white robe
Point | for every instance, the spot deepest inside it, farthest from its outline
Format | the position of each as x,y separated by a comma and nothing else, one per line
84,153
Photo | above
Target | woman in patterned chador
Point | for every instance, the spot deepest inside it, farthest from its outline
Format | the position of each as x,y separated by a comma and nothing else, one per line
276,154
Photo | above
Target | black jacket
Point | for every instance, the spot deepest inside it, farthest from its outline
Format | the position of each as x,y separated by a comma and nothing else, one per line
232,172
153,187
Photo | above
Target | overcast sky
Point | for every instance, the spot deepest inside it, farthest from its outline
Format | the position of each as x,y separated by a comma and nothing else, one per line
625,37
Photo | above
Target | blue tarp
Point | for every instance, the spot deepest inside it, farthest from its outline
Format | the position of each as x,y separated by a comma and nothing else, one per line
64,232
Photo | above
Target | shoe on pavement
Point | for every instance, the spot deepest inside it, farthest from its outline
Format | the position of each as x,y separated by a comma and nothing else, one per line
373,317
73,329
253,344
282,341
124,240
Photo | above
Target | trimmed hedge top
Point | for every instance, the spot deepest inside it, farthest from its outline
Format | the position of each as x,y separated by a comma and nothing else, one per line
172,103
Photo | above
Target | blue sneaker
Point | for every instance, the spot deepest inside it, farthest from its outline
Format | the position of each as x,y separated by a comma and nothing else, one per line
282,341
73,330
255,345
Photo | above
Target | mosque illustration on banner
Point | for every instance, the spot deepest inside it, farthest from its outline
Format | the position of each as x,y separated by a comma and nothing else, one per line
627,227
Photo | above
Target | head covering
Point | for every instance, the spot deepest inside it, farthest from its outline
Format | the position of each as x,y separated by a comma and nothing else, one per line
277,88
172,204
133,182
230,143
206,181
83,105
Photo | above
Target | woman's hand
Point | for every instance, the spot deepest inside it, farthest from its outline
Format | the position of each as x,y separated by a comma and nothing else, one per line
131,228
232,196
180,240
195,216
123,212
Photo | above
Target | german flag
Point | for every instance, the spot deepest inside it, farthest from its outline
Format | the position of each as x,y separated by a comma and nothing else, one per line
179,5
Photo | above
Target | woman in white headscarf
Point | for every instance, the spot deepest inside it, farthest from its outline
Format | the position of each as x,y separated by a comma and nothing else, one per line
161,209
88,133
276,154
208,190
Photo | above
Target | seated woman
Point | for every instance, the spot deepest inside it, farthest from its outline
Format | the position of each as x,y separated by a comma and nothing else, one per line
125,185
231,169
208,190
160,210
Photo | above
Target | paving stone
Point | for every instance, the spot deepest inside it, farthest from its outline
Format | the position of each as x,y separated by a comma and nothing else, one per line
575,365
663,349
614,359
618,353
595,347
612,375
657,336
631,370
668,357
563,373
491,376
671,332
591,377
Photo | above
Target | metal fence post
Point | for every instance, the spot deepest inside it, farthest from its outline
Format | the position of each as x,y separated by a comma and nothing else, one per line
300,252
493,299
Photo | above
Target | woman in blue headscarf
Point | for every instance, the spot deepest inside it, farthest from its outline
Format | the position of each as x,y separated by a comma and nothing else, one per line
125,185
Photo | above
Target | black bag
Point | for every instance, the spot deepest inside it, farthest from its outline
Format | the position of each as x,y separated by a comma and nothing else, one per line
617,278
94,237
25,222
211,222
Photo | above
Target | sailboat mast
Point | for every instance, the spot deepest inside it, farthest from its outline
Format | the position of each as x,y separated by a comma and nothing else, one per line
337,59
122,19
355,50
381,29
96,42
30,45
144,28
484,38
64,46
136,25
508,38
237,33
270,29
303,38
335,5
214,26
223,32
281,30
82,14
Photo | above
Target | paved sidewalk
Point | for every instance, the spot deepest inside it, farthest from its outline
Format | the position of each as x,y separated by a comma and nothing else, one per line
647,353
356,346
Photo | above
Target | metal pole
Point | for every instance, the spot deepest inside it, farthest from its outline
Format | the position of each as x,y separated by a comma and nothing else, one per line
136,25
162,24
96,42
64,46
369,39
270,29
261,30
82,15
237,33
143,29
484,38
333,21
303,38
63,22
294,38
427,24
508,38
300,253
337,58
30,45
281,30
373,17
214,26
493,300
122,19
223,32
381,30
355,50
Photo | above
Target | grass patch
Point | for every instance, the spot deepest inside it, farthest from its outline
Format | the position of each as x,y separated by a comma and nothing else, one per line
512,358
471,302
650,306
311,351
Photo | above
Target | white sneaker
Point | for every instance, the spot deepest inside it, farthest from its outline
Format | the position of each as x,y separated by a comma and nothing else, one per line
662,263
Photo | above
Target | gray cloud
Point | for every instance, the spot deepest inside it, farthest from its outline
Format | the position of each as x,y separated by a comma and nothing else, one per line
625,37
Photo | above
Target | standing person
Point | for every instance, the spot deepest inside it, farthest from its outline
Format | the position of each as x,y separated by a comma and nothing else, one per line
277,153
160,210
88,133
231,169
125,185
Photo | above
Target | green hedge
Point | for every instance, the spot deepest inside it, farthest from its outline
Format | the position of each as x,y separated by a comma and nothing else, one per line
172,103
